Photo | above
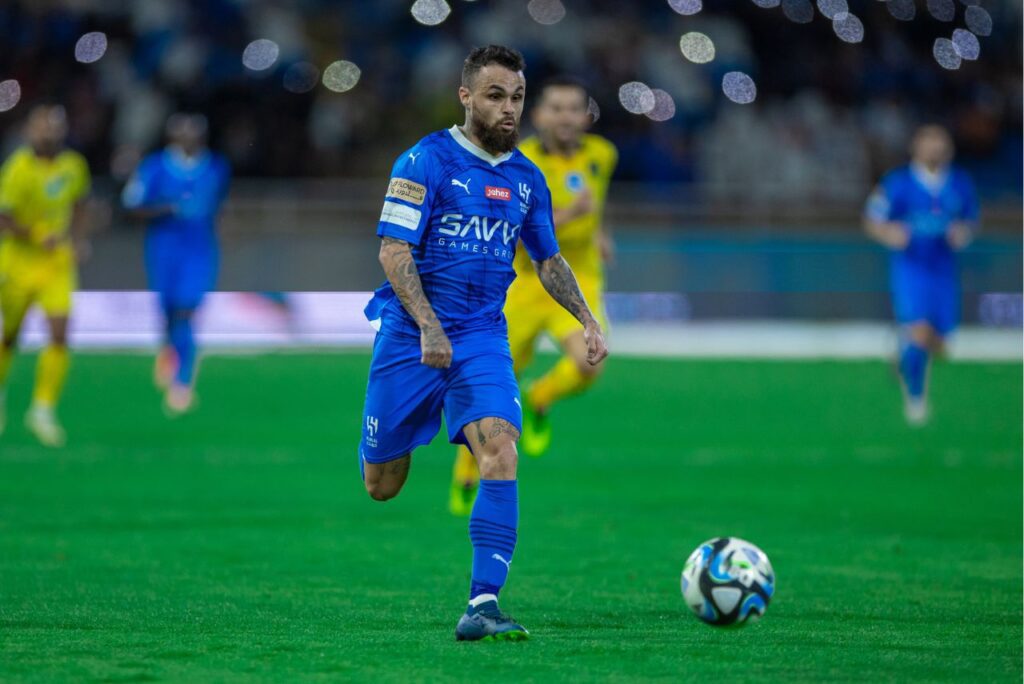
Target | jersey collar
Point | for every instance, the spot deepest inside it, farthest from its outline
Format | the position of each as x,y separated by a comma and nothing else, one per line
478,152
933,182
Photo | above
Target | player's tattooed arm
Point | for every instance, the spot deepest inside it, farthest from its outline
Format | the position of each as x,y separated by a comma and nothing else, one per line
400,268
559,281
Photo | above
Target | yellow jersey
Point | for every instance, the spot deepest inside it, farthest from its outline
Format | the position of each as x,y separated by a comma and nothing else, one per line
590,166
40,194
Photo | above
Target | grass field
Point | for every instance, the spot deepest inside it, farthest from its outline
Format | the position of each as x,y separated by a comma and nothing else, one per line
237,543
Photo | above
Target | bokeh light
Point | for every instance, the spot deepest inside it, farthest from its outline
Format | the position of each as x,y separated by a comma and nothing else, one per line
664,106
91,47
848,27
739,87
301,77
636,97
341,76
832,8
260,54
798,11
978,21
966,44
430,12
593,110
945,54
686,7
697,47
943,10
546,12
10,94
902,10
767,4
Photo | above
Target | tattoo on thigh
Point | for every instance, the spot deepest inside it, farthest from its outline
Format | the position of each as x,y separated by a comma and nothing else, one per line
480,432
503,427
398,466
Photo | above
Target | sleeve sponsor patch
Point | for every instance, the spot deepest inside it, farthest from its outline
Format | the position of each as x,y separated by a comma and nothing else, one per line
407,190
401,215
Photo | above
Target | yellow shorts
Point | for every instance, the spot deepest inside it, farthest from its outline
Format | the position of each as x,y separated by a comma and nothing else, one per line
48,283
531,312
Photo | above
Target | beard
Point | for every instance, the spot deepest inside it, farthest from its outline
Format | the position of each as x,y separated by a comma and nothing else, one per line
493,138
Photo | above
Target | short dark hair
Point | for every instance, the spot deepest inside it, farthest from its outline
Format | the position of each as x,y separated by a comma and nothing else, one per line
565,81
480,57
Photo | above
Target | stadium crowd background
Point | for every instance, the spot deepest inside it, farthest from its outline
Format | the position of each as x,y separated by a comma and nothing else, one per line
828,119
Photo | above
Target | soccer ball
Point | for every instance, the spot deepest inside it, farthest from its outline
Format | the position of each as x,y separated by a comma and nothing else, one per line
727,581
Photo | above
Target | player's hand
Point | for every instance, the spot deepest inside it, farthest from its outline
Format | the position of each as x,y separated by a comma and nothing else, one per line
583,204
896,236
436,347
959,235
52,242
597,350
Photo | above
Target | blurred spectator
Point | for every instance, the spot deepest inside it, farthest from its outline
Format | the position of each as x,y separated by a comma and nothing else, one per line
828,116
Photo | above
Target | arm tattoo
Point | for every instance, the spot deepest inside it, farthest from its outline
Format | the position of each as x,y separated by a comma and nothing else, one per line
400,268
559,281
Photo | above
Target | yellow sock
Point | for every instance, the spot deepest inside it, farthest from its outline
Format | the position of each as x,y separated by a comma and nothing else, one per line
51,371
465,469
6,356
563,380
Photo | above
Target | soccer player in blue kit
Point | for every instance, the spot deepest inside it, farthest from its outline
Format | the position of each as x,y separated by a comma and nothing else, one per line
178,192
924,213
457,203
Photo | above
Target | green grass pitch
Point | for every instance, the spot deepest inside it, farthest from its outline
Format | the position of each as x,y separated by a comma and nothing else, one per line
237,543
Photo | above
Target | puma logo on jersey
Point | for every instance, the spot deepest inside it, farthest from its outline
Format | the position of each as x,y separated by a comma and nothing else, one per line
413,155
464,186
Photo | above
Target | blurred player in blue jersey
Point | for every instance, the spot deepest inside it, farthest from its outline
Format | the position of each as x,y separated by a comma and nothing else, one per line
457,204
178,192
924,213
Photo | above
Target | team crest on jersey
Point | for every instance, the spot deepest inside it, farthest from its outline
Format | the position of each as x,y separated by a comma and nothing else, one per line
410,191
503,194
574,181
55,185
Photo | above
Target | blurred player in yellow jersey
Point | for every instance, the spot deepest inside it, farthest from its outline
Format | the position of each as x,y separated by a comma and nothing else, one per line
578,167
42,189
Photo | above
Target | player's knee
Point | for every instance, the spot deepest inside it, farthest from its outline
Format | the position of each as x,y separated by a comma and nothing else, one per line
381,491
921,335
499,460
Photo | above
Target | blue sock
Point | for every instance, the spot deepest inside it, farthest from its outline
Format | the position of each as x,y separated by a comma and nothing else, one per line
184,346
913,365
492,529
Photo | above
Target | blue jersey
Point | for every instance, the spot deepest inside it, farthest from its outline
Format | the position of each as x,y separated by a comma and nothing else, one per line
196,188
928,205
463,211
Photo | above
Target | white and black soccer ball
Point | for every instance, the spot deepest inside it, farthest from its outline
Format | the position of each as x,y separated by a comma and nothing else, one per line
728,581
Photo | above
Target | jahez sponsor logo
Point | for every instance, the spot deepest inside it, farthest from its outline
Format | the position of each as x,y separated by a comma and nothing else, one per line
503,194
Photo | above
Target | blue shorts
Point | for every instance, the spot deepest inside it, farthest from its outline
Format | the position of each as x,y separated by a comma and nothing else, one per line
404,398
927,299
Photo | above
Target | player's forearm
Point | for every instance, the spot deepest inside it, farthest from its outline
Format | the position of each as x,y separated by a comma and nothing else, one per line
557,278
9,225
888,233
400,269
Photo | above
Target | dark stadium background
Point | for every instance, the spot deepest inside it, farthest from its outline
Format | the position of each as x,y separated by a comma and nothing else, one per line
750,390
